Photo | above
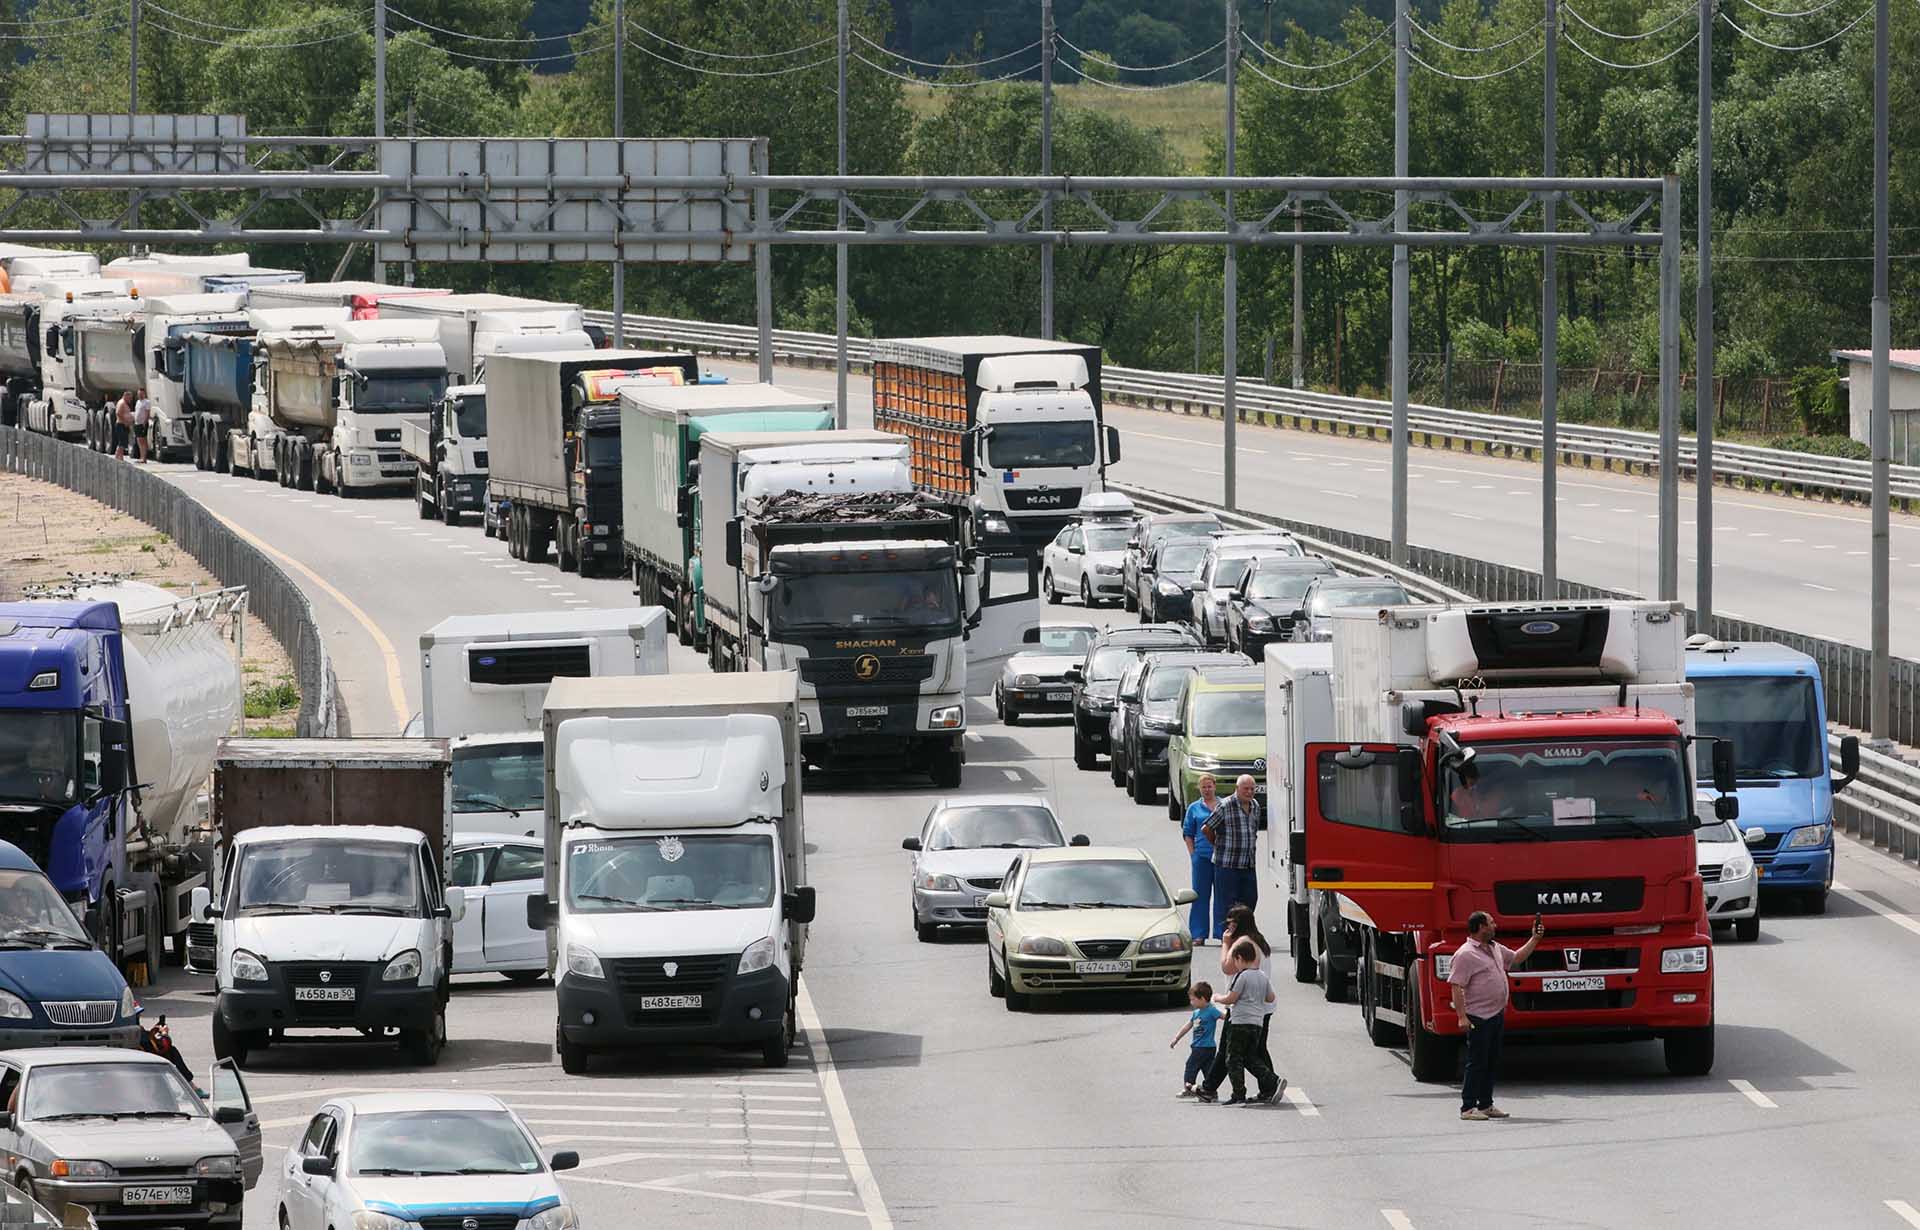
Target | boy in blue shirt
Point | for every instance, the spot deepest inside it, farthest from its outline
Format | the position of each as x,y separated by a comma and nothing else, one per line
1204,1021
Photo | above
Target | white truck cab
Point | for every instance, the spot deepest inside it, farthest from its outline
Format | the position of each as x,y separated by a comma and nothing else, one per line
60,410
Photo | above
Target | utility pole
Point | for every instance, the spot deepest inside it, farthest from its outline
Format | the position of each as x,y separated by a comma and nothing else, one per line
1550,325
1669,518
619,133
1401,276
379,102
406,270
1299,292
133,104
1703,400
1046,164
1880,697
1230,330
840,249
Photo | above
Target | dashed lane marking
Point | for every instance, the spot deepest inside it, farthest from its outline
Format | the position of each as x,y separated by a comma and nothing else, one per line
1298,1099
1397,1219
1237,446
1904,1211
1754,1095
1825,589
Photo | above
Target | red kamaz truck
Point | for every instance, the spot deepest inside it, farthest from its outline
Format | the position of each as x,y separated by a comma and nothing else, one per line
1526,760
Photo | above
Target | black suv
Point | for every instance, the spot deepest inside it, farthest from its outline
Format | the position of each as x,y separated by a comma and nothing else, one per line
1097,678
1135,580
1141,755
1168,575
1269,601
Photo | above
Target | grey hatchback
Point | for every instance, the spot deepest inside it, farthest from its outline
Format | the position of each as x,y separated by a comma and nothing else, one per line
122,1135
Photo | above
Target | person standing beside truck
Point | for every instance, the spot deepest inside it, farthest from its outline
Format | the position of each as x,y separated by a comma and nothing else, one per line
122,424
1478,983
1234,832
1200,921
142,425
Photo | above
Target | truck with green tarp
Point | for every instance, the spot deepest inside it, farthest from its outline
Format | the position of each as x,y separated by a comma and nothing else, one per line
660,430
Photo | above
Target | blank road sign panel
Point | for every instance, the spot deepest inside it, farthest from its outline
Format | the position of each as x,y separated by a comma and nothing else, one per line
81,144
484,219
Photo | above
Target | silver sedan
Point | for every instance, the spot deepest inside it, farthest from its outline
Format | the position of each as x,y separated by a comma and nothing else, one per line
963,851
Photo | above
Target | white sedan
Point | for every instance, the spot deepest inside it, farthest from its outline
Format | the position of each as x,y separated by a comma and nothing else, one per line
499,873
1733,887
1085,559
397,1161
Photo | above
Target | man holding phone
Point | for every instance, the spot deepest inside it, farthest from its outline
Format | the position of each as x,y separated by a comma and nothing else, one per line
1478,981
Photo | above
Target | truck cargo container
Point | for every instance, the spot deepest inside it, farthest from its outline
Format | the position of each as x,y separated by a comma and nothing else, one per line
660,430
553,448
473,327
219,382
19,355
109,359
170,320
1009,427
33,274
163,275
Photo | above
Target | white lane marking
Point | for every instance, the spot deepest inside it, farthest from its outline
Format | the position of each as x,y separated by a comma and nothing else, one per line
1598,542
576,1137
1904,1211
1904,921
549,587
1397,1219
561,593
1447,482
1483,486
1759,534
1825,589
1589,505
1788,542
1297,1098
363,517
1825,546
1212,473
577,601
1856,553
1466,516
1520,494
1344,495
1237,447
1628,511
1754,1095
663,1186
829,1075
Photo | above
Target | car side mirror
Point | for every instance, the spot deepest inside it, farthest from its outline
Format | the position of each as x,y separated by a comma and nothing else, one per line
1754,836
565,1159
1726,807
996,901
1074,675
1176,727
1185,896
911,843
456,903
539,912
1725,776
1080,839
966,451
1030,637
6,1119
683,508
229,1114
322,1166
1849,762
200,903
1076,549
800,904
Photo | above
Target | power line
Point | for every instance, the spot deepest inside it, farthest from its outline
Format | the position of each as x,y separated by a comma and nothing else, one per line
1138,89
540,59
1307,68
940,85
1662,28
1535,54
727,55
643,49
242,45
214,25
1142,68
952,66
1801,13
111,26
1575,44
1317,89
1750,36
1528,32
488,38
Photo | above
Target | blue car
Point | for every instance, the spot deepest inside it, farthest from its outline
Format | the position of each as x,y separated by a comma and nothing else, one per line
1768,701
56,988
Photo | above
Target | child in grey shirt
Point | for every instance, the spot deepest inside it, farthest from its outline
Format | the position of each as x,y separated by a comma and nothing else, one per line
1246,1002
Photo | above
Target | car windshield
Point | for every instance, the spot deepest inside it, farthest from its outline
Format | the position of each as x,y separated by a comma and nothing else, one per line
470,416
1774,724
328,876
1130,682
1330,598
1228,569
1182,558
1570,789
499,777
1715,832
925,599
676,872
442,1142
1289,584
1225,715
1185,529
38,756
32,911
400,390
85,1090
1011,446
1109,663
1119,883
1107,537
971,828
1165,683
1064,640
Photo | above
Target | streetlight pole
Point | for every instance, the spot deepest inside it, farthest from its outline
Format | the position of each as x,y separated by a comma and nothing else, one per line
1401,276
1550,325
1046,165
1230,322
1703,400
1880,696
619,132
840,249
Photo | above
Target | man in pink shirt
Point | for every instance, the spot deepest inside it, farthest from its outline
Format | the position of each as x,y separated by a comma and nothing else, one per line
1478,981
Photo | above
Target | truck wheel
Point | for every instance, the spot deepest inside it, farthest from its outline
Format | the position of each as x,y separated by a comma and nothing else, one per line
1381,1033
779,1049
1333,983
946,766
1305,968
1046,587
1689,1052
228,1043
1084,757
423,1046
573,1056
217,449
1433,1059
538,536
448,513
420,498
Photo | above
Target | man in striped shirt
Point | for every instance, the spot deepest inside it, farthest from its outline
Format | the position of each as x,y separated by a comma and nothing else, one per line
1234,831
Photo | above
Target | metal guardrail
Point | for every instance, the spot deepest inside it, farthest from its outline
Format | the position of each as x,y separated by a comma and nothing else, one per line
1433,426
1882,806
271,594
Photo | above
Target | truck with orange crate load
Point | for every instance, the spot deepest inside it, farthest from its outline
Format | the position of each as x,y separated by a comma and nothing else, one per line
1008,427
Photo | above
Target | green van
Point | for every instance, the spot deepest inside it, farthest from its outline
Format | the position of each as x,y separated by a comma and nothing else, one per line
1222,730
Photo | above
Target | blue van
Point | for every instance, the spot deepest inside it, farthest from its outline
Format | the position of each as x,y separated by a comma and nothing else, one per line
56,988
1768,700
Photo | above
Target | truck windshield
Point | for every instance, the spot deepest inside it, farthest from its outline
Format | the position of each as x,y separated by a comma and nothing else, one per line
1570,790
1065,443
920,599
499,777
400,390
326,876
39,756
31,911
470,416
1223,715
107,1090
1773,723
678,872
603,449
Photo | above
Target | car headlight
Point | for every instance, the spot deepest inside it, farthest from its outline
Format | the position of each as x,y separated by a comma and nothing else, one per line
63,1168
1811,835
1166,587
367,1220
758,956
947,717
1321,634
1107,570
1739,867
1042,946
582,963
559,1217
246,967
1027,681
224,1166
1443,966
129,1006
403,968
1256,620
13,1008
1684,960
1166,941
1200,760
1156,723
939,883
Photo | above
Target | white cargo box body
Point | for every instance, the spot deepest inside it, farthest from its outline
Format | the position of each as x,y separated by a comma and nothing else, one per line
1299,712
488,674
476,325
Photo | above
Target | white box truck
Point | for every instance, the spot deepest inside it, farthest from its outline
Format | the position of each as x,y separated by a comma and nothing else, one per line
676,901
1299,710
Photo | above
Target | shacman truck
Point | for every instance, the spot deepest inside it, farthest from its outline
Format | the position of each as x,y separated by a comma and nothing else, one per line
1532,761
170,321
660,430
113,696
818,556
676,903
1008,427
334,403
553,448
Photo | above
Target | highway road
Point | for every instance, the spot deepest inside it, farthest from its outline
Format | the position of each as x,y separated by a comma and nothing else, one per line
920,1100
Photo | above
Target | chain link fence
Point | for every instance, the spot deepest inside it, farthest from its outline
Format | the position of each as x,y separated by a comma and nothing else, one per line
140,494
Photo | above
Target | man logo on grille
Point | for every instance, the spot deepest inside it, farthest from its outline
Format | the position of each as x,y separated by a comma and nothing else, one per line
1573,958
866,667
326,975
670,968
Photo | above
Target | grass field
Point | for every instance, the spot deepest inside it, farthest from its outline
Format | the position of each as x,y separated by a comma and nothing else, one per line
1189,117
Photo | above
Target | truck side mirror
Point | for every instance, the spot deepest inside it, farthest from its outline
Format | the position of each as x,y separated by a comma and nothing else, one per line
683,507
200,904
1031,636
456,903
1113,445
733,544
115,739
1849,762
800,904
1725,779
1407,764
539,912
1074,675
1727,807
966,452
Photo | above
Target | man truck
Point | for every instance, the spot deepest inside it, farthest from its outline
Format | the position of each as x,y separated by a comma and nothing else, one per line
1532,761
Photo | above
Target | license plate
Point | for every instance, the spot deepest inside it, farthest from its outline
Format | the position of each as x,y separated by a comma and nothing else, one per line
331,995
1103,967
648,1002
1259,792
866,711
980,898
1059,698
181,1194
1593,982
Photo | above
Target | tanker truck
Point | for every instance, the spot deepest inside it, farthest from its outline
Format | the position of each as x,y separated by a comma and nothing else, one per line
58,409
170,321
113,695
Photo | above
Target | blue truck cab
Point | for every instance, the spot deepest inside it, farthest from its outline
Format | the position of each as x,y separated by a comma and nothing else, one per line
1768,700
56,988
